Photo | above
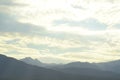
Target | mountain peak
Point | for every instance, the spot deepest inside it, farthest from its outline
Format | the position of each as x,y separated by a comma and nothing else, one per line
28,58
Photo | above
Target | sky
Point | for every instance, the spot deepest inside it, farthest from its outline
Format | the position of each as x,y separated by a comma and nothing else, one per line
60,31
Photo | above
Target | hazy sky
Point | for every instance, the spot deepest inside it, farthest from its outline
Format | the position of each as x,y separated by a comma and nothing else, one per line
60,31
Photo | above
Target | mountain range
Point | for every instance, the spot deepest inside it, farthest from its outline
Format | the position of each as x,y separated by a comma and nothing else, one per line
112,66
37,62
13,69
83,68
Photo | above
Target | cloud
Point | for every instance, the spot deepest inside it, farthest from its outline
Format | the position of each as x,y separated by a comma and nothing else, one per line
90,24
89,57
20,42
64,31
117,26
16,45
10,24
37,12
10,3
100,15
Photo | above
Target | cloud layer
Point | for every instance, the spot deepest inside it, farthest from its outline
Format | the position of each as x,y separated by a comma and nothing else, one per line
60,30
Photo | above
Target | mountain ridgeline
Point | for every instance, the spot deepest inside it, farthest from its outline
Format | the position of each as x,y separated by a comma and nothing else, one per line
112,66
12,69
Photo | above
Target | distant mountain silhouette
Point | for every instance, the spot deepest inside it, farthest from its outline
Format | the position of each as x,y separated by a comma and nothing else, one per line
112,66
81,65
88,69
84,68
31,61
12,69
76,67
36,62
